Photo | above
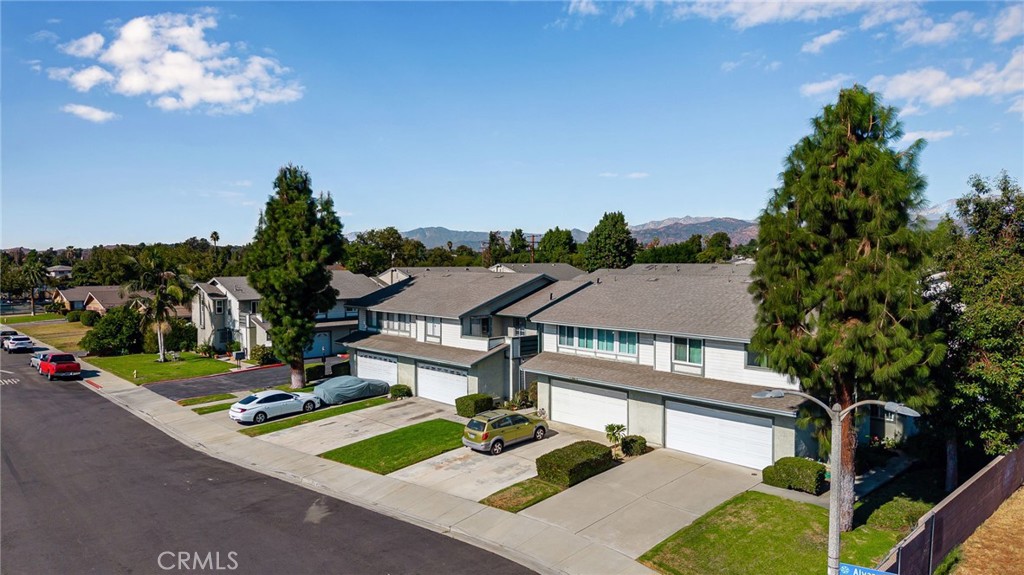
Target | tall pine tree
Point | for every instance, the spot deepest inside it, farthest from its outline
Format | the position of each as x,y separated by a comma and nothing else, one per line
297,237
838,277
610,244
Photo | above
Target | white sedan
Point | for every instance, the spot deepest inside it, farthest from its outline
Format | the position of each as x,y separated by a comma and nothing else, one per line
264,405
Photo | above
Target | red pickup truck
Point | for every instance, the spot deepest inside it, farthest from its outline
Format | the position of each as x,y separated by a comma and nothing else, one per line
59,365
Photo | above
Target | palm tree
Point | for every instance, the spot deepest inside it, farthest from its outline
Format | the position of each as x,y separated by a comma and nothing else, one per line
34,273
159,288
215,237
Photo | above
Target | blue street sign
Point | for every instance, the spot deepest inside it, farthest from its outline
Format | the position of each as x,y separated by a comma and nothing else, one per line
846,569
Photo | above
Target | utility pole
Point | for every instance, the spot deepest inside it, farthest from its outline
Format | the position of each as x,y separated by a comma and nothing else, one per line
533,241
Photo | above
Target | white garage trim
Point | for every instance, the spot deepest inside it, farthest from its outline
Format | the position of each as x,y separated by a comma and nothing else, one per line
442,384
587,406
372,366
724,435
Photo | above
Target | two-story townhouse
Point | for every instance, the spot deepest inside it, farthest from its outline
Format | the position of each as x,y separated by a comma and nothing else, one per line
227,309
666,354
438,333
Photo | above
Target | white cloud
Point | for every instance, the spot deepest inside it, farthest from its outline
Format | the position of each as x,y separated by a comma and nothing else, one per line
44,36
637,175
888,12
815,45
1017,106
730,66
755,59
829,86
35,65
53,21
929,135
624,14
773,66
168,59
1009,24
937,88
89,113
584,7
927,31
746,14
84,47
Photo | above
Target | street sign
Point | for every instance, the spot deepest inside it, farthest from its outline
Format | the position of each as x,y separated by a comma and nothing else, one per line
847,569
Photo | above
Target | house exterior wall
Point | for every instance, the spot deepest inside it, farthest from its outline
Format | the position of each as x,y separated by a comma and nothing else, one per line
728,361
646,413
96,307
543,393
783,437
490,376
662,352
407,372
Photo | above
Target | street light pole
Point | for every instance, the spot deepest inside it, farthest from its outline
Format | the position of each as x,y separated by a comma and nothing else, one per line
836,414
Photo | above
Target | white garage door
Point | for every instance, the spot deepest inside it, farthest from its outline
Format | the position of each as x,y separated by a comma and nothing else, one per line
321,346
587,406
724,435
441,383
370,366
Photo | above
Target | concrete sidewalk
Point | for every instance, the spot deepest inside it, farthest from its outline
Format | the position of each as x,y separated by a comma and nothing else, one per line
539,545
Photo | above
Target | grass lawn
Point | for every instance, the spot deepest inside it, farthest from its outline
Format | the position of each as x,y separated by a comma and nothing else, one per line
150,370
64,336
401,447
515,498
317,415
213,408
205,399
13,319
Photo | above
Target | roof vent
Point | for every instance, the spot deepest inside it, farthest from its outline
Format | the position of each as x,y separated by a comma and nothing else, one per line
652,279
551,296
598,280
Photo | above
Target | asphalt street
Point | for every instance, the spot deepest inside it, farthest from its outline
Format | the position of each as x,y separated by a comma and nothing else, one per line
86,487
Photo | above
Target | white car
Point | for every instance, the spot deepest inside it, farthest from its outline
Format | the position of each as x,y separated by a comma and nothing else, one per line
264,405
19,343
36,358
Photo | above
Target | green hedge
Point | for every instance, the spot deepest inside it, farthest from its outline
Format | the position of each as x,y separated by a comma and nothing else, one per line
89,318
74,315
472,404
900,514
574,463
399,391
796,473
314,372
341,368
634,445
262,354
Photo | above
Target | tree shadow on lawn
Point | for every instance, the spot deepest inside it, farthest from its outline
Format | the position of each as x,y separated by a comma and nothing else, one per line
919,483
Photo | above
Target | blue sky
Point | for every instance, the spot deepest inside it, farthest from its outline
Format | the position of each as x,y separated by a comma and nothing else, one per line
154,122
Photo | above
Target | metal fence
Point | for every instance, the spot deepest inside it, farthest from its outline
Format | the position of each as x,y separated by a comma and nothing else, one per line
953,520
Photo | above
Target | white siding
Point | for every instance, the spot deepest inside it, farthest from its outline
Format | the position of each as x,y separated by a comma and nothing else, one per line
549,338
420,328
727,361
645,349
451,336
662,352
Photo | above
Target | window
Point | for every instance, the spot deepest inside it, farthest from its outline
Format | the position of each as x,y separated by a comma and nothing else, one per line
253,306
627,342
689,350
755,359
477,327
586,339
218,307
519,420
434,327
351,311
605,340
372,320
566,335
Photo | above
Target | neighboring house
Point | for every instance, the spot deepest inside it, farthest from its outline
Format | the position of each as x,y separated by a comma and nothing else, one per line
439,333
102,299
227,309
179,311
395,275
666,355
59,272
74,298
556,271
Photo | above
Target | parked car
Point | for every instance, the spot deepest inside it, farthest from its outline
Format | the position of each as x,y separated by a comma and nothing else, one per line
19,343
349,388
36,358
6,335
492,430
263,405
59,365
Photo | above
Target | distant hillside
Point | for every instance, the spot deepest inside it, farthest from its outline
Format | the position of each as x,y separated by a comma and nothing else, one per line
680,230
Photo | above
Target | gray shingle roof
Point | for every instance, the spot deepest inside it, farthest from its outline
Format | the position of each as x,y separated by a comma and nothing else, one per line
645,378
449,295
715,306
352,286
238,287
726,269
542,298
110,296
79,293
210,290
408,347
557,271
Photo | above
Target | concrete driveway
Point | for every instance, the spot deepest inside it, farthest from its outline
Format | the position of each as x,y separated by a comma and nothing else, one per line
474,475
635,506
333,432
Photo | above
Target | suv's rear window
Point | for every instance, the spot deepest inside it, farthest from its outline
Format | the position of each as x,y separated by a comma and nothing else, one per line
476,425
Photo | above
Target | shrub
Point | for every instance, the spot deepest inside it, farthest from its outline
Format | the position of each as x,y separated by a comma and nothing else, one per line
900,514
314,372
205,350
262,355
531,393
472,404
398,391
115,333
89,317
573,463
522,399
73,316
634,445
234,346
796,473
614,432
179,335
341,368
